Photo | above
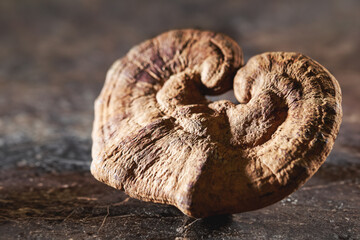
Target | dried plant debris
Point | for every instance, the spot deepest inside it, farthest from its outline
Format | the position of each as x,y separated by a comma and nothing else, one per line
159,139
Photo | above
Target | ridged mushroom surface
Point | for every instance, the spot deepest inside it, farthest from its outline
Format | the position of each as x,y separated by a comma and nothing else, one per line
159,139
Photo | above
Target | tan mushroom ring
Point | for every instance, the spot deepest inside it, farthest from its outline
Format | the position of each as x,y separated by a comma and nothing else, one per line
159,139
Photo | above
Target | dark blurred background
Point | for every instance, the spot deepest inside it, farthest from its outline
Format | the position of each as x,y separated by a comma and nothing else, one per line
53,59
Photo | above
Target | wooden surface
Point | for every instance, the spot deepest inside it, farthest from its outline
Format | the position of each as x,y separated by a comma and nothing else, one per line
54,56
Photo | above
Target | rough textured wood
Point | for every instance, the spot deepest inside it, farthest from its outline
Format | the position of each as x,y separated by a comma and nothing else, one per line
159,139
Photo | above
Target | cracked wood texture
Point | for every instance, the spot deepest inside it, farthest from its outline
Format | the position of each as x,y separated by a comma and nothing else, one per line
159,139
54,57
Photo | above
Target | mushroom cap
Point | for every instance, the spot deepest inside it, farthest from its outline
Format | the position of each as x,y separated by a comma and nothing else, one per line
159,139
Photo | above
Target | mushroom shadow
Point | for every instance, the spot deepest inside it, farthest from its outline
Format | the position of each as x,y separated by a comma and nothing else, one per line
203,227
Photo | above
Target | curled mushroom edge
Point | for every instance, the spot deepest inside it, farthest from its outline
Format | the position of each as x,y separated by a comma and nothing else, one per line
157,137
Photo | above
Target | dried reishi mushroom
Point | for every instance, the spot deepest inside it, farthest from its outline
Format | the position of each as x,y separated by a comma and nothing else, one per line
159,139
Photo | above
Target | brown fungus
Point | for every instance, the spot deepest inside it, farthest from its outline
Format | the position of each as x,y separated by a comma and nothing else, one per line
159,139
